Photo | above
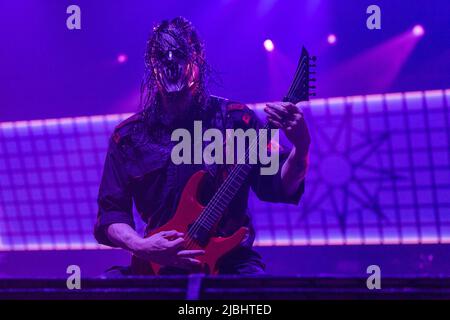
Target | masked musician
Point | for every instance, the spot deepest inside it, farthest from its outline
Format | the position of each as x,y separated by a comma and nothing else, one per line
138,167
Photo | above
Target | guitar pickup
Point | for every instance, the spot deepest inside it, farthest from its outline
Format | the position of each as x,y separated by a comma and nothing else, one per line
201,234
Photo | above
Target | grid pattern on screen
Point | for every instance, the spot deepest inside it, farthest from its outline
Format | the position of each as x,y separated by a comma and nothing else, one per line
379,173
49,174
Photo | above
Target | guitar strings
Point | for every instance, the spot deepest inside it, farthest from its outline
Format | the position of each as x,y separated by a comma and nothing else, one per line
296,79
236,171
301,67
204,216
222,190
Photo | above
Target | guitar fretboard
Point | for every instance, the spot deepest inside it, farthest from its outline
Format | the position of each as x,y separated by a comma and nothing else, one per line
228,190
298,91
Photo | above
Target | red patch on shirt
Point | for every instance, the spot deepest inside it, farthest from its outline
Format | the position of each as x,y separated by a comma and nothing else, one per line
235,106
246,118
116,137
274,146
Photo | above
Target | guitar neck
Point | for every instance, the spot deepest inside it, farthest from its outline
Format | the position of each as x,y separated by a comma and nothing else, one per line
298,91
229,188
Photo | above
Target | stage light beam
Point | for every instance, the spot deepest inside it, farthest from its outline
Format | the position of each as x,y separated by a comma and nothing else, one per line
268,45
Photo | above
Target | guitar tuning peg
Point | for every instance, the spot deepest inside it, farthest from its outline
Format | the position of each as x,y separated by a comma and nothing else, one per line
312,87
313,58
312,79
312,65
312,72
313,94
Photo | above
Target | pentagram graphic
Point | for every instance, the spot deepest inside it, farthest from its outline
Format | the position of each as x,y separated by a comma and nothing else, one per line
347,170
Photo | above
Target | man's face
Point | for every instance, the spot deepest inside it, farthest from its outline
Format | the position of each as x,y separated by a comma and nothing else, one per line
173,65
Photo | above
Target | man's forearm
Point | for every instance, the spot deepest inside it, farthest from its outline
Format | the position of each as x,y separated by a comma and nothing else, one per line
124,236
294,170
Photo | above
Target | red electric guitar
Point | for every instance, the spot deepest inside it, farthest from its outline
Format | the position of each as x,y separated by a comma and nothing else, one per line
198,222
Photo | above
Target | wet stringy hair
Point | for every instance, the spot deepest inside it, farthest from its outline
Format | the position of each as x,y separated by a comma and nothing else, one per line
190,44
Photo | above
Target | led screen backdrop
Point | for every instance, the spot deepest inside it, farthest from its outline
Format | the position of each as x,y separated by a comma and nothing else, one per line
379,174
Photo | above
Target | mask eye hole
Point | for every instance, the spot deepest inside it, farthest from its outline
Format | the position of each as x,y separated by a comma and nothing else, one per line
169,55
159,54
176,54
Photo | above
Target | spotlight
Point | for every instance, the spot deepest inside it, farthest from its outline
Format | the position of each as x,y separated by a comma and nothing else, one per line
122,58
332,39
418,30
268,45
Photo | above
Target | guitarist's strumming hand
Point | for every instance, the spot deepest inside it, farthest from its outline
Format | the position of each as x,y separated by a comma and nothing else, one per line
166,248
289,118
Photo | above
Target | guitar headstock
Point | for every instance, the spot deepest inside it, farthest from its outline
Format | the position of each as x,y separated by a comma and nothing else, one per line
301,88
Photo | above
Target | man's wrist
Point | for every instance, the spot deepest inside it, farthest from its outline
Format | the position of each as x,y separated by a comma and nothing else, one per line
298,158
135,244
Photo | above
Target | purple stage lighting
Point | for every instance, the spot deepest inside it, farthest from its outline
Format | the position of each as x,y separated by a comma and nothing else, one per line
392,176
268,45
365,72
332,39
418,30
122,58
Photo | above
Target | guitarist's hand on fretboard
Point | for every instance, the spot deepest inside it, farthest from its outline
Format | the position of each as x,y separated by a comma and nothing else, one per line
289,118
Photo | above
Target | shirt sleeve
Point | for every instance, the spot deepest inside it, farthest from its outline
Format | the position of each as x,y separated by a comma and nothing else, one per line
114,197
270,187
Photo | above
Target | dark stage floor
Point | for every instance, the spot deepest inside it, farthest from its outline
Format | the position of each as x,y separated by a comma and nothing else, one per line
197,287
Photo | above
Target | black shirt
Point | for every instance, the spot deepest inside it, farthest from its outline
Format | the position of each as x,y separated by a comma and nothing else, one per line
138,168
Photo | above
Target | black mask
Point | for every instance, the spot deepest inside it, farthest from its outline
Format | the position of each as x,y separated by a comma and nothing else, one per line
173,64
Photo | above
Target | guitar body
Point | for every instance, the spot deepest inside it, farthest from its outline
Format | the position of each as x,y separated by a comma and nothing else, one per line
188,210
